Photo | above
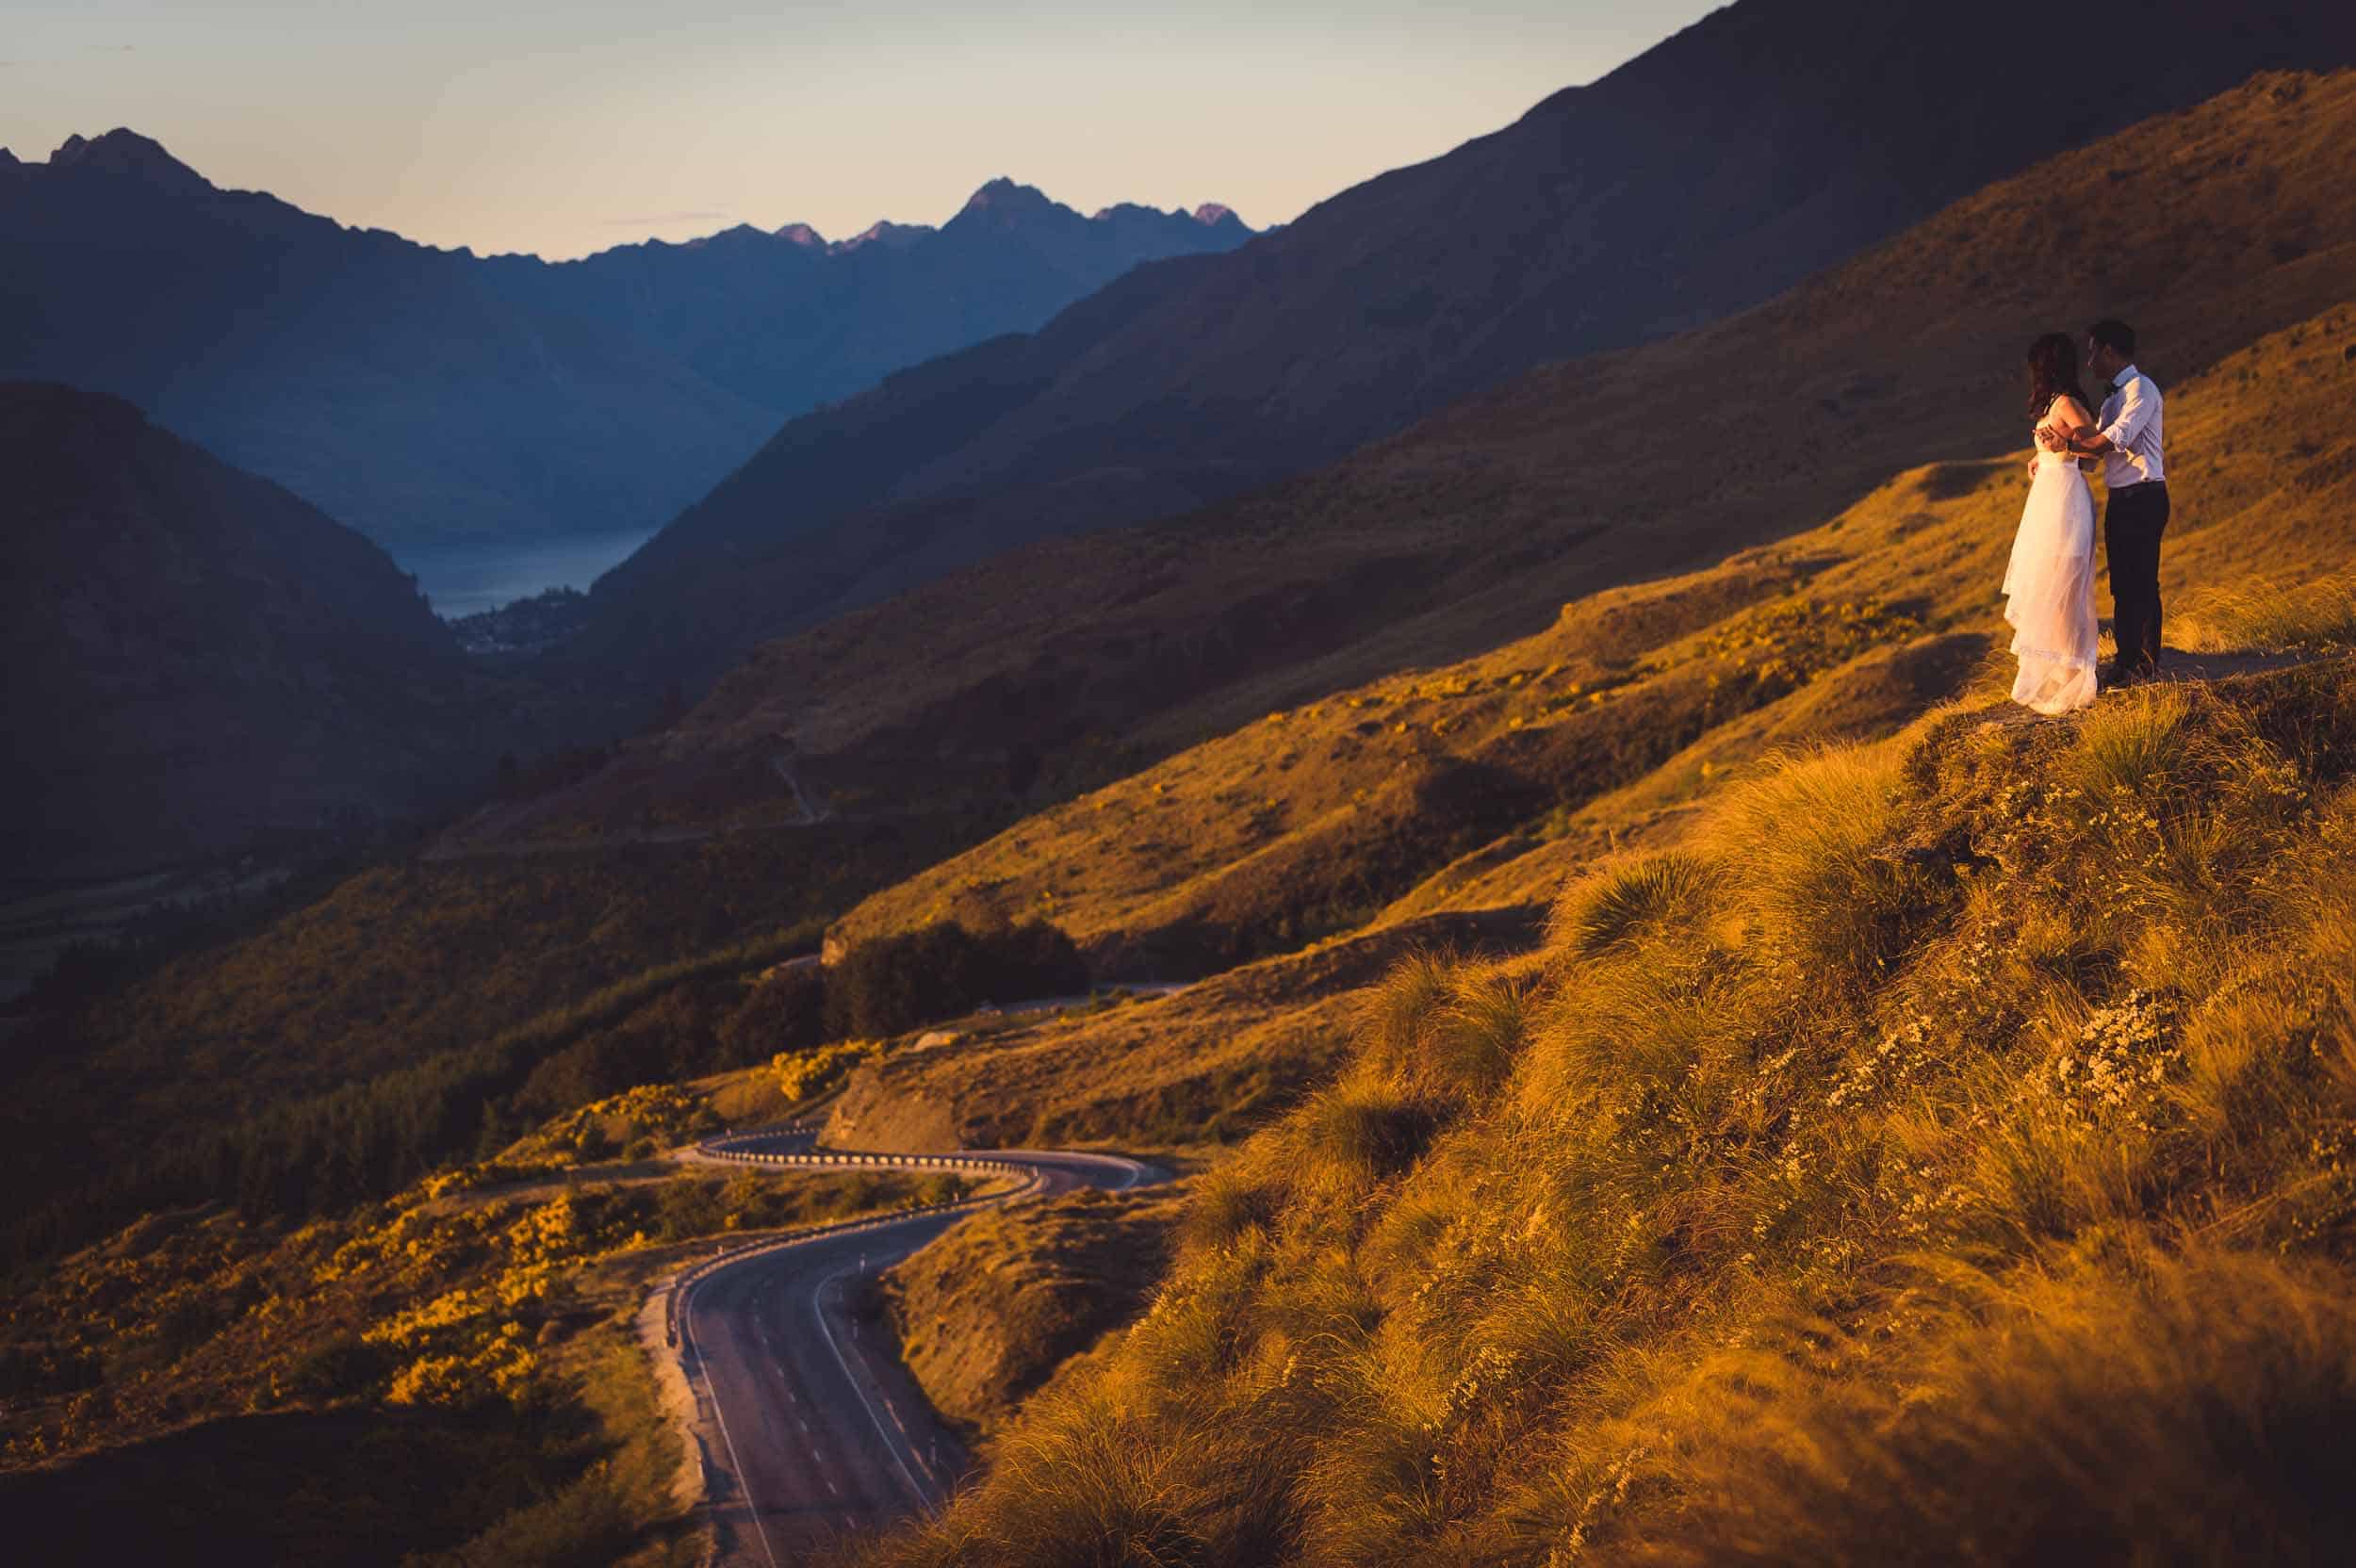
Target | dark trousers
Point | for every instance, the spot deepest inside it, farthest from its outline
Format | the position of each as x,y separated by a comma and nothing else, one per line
2131,525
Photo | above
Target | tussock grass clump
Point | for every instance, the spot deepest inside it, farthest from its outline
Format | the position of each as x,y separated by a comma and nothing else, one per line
1655,895
1953,1164
2191,1408
1360,1132
1440,1030
2315,615
1801,843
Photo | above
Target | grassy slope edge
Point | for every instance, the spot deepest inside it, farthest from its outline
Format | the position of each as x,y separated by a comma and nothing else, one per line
1940,1156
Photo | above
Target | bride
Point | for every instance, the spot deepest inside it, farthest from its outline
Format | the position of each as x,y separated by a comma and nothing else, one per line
2049,585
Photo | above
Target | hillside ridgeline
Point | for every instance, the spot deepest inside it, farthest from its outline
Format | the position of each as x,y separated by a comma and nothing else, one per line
1937,1154
1475,526
1762,144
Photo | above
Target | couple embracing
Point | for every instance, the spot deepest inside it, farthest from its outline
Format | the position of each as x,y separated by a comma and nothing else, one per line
2049,585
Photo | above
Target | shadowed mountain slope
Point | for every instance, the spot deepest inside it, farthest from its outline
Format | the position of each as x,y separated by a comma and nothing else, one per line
198,660
1766,142
426,395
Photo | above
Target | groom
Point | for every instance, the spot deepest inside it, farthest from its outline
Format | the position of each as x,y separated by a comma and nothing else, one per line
2126,437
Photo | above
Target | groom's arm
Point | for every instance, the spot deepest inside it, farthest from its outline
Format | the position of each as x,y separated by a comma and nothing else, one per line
2135,412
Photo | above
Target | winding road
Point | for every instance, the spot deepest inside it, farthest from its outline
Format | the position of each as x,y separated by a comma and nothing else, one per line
815,1430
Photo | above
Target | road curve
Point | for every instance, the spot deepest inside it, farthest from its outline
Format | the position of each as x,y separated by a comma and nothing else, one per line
816,1429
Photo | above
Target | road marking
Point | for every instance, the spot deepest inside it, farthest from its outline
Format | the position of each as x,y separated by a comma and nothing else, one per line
1040,1168
818,1310
687,1335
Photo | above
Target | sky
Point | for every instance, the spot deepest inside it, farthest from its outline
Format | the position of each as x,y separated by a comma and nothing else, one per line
563,128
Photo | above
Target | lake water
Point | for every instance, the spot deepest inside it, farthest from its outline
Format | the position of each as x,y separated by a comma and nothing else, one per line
465,580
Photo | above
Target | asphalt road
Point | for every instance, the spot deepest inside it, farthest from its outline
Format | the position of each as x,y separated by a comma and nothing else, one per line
819,1431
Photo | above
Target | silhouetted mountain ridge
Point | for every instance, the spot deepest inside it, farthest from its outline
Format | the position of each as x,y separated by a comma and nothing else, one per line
1762,144
425,393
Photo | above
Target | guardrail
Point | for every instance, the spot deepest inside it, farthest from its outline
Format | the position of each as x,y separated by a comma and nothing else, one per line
727,1148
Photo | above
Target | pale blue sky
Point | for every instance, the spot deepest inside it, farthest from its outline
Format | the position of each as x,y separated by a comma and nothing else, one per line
564,128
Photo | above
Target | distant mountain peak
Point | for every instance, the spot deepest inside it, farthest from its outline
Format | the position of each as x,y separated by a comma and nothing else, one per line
127,152
1007,199
884,231
734,234
1216,213
802,235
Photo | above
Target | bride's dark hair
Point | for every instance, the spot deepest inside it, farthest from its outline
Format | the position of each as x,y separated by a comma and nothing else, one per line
2054,374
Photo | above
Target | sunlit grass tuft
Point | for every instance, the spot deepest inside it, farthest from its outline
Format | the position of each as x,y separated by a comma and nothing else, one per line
1618,905
1801,842
2156,1409
2315,615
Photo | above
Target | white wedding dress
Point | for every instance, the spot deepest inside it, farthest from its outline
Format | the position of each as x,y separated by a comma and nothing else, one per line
2049,590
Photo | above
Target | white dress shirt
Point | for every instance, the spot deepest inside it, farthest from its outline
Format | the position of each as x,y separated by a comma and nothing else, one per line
2131,417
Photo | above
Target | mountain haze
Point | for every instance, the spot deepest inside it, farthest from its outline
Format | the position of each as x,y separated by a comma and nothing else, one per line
1767,141
429,395
788,320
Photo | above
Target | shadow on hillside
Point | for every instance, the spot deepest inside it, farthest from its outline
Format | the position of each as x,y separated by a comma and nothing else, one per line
2180,667
353,1488
1950,482
2177,668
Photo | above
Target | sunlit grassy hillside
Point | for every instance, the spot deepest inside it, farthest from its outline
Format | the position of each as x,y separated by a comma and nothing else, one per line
1483,786
1306,819
1054,668
1939,1155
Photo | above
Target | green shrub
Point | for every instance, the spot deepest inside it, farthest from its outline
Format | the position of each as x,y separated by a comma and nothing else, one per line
887,985
785,1011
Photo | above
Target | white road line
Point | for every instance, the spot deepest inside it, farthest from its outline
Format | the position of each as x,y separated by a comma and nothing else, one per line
817,1305
743,1481
929,1494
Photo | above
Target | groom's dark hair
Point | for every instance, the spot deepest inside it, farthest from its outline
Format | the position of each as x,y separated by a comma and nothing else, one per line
2114,334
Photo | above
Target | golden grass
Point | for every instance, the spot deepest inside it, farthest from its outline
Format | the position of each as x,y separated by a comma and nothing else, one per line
2311,614
2153,1407
2025,1227
1626,903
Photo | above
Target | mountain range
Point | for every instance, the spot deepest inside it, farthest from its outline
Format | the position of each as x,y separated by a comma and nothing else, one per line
1760,145
424,395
